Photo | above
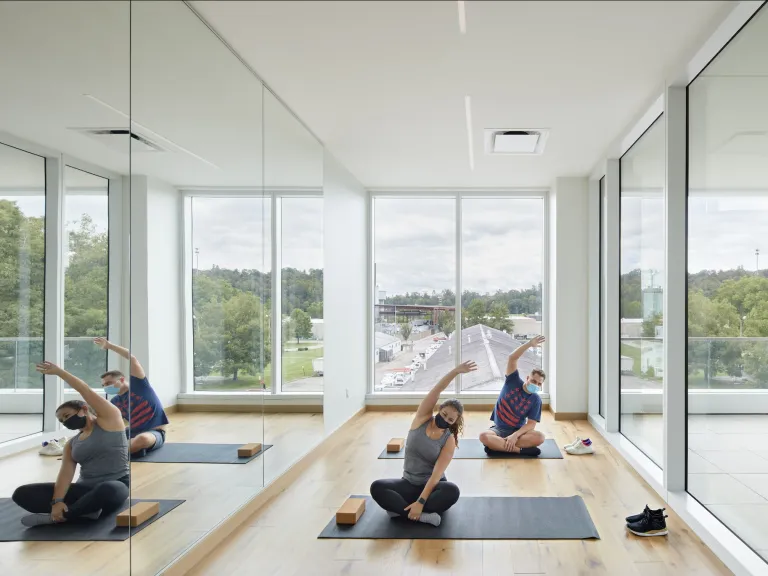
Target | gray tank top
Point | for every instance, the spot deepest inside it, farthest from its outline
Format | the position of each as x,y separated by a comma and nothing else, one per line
421,453
102,456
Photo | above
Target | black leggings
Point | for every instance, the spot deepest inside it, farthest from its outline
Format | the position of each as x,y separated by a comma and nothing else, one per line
395,494
80,500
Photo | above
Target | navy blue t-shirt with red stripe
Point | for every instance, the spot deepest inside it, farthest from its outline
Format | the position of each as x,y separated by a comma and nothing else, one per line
515,406
146,411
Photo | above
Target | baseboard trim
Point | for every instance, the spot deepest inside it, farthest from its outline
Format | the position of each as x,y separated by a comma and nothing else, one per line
266,408
559,416
210,541
172,409
413,407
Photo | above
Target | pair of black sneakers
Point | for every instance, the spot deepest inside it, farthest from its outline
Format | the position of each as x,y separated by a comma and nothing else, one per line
648,523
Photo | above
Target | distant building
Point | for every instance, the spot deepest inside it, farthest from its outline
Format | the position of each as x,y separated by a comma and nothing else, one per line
631,327
386,347
318,330
653,302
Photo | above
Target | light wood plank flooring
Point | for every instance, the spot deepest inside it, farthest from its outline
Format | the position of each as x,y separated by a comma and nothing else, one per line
212,492
281,538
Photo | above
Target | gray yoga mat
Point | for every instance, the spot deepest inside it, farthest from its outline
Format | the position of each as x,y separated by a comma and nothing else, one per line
478,518
473,449
101,530
190,453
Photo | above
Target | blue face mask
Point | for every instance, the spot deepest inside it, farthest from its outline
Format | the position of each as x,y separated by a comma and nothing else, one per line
531,388
111,389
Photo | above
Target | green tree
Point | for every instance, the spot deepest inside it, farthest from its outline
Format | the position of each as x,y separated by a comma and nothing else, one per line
649,325
302,324
315,309
446,321
474,314
500,317
406,329
242,335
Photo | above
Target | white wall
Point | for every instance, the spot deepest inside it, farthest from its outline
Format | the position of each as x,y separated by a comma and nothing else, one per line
345,288
568,304
156,284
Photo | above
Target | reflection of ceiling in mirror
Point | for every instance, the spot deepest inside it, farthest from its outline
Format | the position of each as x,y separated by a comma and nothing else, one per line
189,95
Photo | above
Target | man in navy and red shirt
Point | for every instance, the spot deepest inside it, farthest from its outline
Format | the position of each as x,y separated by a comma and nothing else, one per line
138,403
517,410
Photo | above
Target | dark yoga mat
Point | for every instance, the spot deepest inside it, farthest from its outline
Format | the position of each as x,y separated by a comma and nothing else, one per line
101,530
190,453
478,518
473,449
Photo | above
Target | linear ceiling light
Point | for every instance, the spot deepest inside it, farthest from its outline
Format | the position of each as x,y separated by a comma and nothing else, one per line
462,17
468,111
150,132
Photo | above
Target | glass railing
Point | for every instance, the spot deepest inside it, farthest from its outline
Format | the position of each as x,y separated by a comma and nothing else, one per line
19,356
739,363
727,363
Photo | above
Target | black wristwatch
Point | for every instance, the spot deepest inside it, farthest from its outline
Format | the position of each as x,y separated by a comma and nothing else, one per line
56,501
421,501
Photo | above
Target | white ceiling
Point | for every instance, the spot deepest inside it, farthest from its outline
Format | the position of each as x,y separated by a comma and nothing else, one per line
182,87
383,83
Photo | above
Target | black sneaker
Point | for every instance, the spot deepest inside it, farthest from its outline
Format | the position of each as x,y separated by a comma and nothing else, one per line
652,524
637,517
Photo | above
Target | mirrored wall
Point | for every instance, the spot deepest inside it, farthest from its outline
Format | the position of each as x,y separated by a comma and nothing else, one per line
161,218
64,163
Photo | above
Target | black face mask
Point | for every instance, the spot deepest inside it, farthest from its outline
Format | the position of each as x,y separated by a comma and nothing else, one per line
441,422
75,422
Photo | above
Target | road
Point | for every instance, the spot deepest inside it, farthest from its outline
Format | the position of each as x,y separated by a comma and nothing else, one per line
489,348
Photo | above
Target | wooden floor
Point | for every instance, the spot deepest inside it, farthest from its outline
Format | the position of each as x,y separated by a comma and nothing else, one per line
282,537
212,492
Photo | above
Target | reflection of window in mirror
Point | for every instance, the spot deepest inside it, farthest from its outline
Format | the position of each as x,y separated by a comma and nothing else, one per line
22,291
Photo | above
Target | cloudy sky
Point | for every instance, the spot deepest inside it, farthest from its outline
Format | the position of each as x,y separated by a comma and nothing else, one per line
414,244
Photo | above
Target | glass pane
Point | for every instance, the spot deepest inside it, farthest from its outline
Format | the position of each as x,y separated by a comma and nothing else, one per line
302,294
230,275
86,273
728,287
22,291
501,308
602,401
641,295
415,290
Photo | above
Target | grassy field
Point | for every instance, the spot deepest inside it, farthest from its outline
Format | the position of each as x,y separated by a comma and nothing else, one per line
296,365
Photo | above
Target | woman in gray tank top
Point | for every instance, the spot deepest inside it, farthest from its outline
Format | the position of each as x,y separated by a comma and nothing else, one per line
423,493
101,450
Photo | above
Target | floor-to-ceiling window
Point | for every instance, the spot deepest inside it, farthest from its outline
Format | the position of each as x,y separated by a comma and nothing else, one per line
22,291
414,304
641,299
728,285
419,244
231,279
86,273
502,246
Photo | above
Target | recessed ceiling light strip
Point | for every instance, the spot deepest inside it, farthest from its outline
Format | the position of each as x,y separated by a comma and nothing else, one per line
468,111
462,17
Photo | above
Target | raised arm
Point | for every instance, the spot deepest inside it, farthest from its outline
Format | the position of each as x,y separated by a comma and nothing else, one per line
428,404
108,412
136,369
520,350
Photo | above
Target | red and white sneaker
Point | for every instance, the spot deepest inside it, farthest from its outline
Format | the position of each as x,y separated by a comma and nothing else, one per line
580,448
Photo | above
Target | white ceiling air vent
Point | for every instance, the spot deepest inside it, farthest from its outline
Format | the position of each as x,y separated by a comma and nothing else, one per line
117,139
515,141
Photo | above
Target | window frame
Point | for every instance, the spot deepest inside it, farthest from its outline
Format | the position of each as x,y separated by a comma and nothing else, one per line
457,195
275,195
